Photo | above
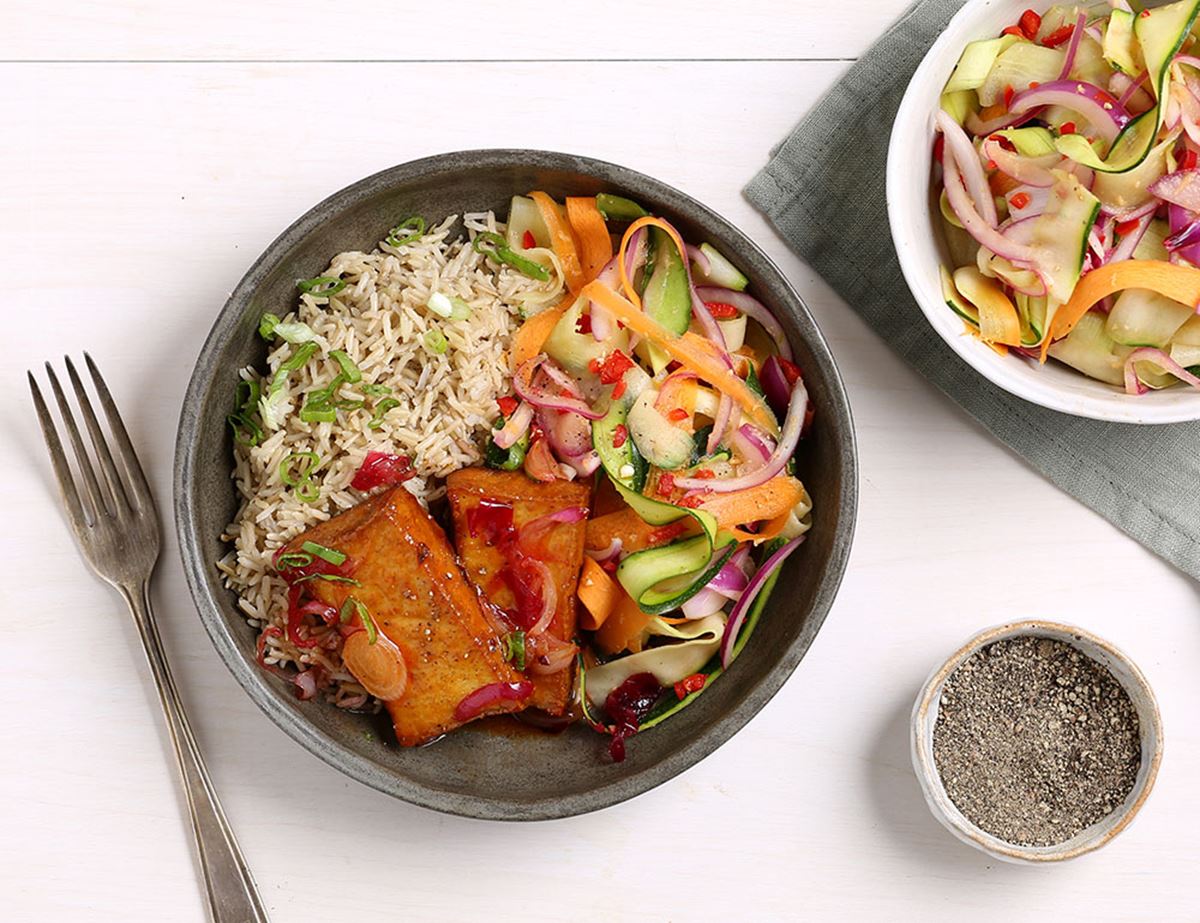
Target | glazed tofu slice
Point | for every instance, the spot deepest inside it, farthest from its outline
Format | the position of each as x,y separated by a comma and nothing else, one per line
483,560
414,590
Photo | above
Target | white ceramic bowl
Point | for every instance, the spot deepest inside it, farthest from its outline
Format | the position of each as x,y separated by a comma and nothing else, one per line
911,212
1126,673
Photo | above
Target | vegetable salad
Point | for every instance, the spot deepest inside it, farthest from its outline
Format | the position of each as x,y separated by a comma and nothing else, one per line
1068,149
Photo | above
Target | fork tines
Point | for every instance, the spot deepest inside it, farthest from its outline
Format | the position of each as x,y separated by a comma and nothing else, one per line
120,489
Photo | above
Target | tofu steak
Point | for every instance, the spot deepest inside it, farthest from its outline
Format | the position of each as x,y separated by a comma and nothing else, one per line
411,584
560,549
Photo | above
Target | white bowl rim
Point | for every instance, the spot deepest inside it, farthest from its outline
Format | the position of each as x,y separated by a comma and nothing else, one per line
1095,400
1091,838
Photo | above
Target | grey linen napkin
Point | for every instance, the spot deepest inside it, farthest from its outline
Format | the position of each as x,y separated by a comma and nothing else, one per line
824,190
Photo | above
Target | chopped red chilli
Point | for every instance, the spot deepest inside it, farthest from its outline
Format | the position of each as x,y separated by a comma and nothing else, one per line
615,365
687,686
620,435
507,405
380,468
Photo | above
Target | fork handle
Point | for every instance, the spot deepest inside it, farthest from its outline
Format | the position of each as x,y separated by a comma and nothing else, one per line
232,895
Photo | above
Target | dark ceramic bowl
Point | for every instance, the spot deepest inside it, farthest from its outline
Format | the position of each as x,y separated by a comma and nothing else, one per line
475,772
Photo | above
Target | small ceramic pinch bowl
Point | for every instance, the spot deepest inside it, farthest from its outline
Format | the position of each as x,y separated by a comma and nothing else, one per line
925,715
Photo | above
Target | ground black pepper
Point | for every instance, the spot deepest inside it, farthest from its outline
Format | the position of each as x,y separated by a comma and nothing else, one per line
1035,741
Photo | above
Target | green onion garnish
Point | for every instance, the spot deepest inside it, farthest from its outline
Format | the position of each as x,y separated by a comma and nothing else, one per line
406,232
381,408
293,559
297,360
332,555
619,208
294,332
267,326
347,404
350,371
516,649
352,607
489,243
321,286
318,413
435,341
329,578
376,390
296,472
245,402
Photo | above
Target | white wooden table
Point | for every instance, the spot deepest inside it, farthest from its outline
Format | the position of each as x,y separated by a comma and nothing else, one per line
153,148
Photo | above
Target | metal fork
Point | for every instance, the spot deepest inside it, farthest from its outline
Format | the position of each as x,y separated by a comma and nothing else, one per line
116,525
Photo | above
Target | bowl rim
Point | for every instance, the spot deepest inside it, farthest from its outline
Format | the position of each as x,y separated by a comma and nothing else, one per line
1098,403
367,771
930,779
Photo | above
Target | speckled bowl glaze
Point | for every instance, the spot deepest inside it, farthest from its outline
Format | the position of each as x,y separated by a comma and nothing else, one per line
1127,674
474,772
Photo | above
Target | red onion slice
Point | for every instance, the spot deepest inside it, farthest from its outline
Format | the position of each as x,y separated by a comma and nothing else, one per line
608,554
515,426
775,385
474,703
306,684
1133,384
788,439
1103,111
970,167
546,654
698,256
751,446
964,209
752,308
721,423
1181,188
742,609
540,397
1073,48
1132,88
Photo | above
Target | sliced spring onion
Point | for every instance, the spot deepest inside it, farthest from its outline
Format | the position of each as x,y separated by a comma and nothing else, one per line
509,459
332,555
381,407
618,208
267,326
350,372
297,359
440,304
329,578
489,243
435,341
317,412
296,472
352,607
515,653
294,332
293,559
407,231
245,428
372,390
321,286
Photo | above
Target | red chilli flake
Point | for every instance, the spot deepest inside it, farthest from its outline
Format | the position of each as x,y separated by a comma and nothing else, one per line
507,405
722,311
1030,22
1013,30
1009,93
693,683
1144,14
1124,228
594,366
677,415
614,367
1058,36
380,468
1068,128
1020,200
666,484
584,324
528,241
691,502
618,388
1190,159
939,148
620,436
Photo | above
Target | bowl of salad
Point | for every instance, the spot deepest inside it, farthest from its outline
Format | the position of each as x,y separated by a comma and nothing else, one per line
1044,198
